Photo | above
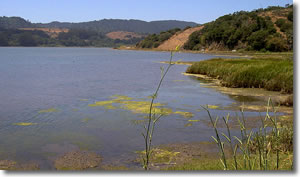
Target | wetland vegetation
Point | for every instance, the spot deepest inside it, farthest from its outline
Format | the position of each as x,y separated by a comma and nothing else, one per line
269,73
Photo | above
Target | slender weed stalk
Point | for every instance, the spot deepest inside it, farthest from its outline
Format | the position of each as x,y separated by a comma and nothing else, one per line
263,142
153,118
217,139
229,139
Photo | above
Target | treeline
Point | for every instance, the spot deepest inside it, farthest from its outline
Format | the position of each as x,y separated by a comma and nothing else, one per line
15,23
154,40
247,31
74,37
109,25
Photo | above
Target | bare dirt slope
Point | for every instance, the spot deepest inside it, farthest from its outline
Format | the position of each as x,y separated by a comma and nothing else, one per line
178,39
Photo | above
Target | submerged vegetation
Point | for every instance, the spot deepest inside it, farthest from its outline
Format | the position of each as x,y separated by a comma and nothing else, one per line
271,74
137,107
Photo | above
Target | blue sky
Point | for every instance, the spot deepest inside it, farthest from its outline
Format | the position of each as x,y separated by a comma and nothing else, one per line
199,11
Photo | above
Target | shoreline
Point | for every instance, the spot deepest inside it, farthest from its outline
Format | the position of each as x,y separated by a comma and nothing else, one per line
246,54
258,93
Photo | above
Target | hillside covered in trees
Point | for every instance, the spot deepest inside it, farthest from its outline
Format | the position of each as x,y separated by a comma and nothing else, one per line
269,29
109,25
74,37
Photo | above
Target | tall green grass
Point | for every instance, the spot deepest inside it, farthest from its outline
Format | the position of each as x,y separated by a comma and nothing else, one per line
271,74
269,147
260,150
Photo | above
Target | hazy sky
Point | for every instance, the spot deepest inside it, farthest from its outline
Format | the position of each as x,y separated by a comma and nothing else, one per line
199,11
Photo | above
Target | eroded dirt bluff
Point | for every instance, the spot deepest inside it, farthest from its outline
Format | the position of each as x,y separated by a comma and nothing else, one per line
178,39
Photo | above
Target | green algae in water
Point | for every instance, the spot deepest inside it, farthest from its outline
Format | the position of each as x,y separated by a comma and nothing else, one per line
185,114
110,107
102,103
121,97
212,106
142,107
198,110
48,110
137,107
25,123
126,103
75,110
188,125
84,100
178,80
193,120
85,120
160,155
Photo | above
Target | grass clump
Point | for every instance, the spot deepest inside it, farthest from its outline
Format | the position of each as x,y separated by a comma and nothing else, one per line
271,74
268,148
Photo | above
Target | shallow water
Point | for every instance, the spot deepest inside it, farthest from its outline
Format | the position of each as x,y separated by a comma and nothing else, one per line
46,97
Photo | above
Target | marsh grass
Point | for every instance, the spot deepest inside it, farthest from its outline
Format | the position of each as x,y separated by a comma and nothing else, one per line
269,73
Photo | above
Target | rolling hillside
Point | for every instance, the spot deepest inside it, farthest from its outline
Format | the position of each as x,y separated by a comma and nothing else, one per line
110,25
269,29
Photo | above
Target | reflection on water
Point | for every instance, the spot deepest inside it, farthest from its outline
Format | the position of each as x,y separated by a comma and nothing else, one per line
55,99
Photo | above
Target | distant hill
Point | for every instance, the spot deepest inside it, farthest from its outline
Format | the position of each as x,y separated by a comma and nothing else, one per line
14,23
16,31
110,25
104,26
269,29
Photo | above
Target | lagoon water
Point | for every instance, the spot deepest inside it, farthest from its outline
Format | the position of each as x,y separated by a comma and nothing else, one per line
45,95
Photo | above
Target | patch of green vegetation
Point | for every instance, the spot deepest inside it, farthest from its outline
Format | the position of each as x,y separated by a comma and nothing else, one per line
137,107
121,97
212,106
84,99
85,120
193,120
188,124
110,107
160,156
271,74
243,30
25,123
215,164
48,110
185,114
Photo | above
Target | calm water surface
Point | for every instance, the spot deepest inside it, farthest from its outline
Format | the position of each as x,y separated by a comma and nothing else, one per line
51,88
